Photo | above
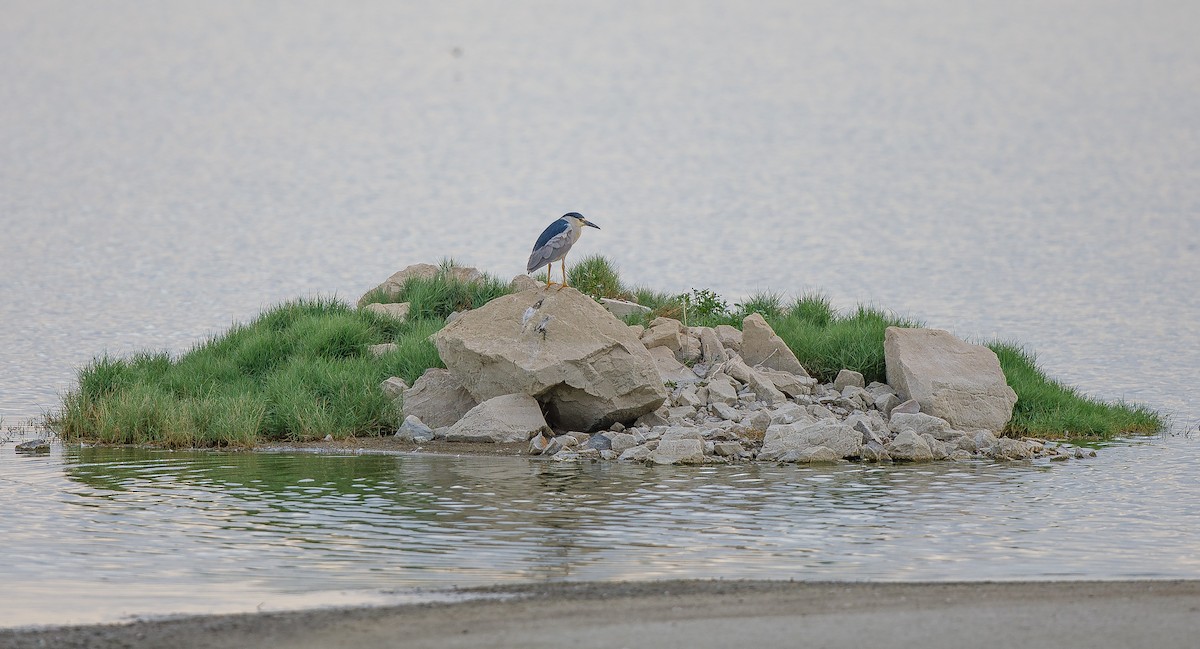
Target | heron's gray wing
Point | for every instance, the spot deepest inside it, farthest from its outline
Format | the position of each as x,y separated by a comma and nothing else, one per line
551,251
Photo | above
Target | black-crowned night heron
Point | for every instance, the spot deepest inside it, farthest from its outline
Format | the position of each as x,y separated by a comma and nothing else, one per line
555,242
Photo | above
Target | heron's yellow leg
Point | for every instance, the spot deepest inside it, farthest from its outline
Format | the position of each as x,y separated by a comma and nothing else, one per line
549,268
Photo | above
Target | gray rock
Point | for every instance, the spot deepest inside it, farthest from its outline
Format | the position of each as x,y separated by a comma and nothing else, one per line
854,398
935,446
1007,448
759,420
680,413
679,451
664,332
726,412
394,388
621,442
652,419
437,398
874,452
609,455
394,285
623,309
910,447
721,389
959,455
951,379
639,453
617,427
848,378
522,283
394,310
414,430
832,434
909,407
689,396
670,370
600,442
728,449
790,384
682,432
821,412
711,349
730,337
886,403
810,455
984,439
562,348
790,413
761,385
921,424
504,419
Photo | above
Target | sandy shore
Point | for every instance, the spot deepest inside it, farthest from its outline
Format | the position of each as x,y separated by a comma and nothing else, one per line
697,614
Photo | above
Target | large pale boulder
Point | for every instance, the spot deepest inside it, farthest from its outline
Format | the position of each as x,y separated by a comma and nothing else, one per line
560,347
504,419
437,398
394,284
949,378
760,346
784,439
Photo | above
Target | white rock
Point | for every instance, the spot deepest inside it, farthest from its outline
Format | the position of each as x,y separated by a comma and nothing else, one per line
760,346
951,379
664,332
504,419
730,337
523,282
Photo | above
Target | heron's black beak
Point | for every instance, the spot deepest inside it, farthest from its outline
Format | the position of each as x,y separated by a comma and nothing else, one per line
591,224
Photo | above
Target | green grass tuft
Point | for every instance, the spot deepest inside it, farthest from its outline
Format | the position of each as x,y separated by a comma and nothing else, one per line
1047,408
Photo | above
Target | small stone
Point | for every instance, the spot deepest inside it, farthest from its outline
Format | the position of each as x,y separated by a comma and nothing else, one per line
821,412
959,455
679,451
726,412
608,455
636,454
652,419
909,446
848,378
874,452
760,420
382,349
617,427
727,449
395,310
689,396
522,282
621,442
679,413
886,403
567,456
414,430
393,387
908,407
622,308
600,442
328,438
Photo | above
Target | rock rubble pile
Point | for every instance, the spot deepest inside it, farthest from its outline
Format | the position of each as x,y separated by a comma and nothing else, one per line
553,368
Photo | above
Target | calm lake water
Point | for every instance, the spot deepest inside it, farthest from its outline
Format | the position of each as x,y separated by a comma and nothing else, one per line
98,534
1024,171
